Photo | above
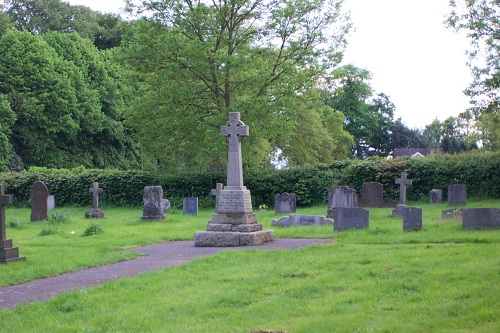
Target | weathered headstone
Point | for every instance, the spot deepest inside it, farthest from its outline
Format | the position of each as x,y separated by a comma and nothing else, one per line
481,218
436,196
165,205
153,210
412,218
350,218
51,202
7,252
457,194
234,223
95,212
372,195
190,206
301,220
341,196
285,203
403,181
39,206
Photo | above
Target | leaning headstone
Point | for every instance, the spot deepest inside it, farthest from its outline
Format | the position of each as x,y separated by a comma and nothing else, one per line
95,212
7,252
412,218
165,205
234,223
190,206
457,194
285,203
481,218
295,220
39,206
51,202
153,197
372,195
350,218
436,196
341,196
402,181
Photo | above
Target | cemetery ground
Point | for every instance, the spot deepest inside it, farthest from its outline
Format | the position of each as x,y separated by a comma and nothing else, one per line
380,279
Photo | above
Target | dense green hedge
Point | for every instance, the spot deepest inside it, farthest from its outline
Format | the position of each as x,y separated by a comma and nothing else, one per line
479,171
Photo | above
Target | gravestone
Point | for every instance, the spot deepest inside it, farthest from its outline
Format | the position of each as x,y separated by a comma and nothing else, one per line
95,212
285,203
350,218
39,205
455,213
301,220
412,218
457,194
51,202
165,205
403,181
7,252
190,206
436,196
481,218
152,210
234,223
372,195
341,196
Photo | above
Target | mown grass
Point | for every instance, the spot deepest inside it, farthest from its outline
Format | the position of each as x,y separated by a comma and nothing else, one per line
441,279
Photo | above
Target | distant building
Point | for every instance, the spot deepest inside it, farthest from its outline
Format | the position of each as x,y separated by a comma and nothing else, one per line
415,152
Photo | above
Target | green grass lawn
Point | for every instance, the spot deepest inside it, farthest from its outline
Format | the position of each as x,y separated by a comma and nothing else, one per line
440,279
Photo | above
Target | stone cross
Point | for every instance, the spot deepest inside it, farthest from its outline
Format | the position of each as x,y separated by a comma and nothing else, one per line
95,190
215,192
234,130
403,181
4,200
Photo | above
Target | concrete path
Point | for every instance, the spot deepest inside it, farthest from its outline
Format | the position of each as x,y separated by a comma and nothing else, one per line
157,256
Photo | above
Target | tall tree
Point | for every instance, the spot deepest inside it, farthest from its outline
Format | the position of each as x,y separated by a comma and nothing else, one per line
7,119
404,137
481,21
200,60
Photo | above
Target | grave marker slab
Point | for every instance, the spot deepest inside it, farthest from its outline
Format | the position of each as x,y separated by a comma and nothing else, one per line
341,197
350,218
152,210
372,195
285,203
7,252
402,181
51,202
165,205
234,223
190,206
436,196
95,212
457,194
481,218
301,220
412,218
39,205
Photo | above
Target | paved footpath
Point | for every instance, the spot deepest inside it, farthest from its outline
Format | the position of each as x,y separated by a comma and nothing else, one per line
156,256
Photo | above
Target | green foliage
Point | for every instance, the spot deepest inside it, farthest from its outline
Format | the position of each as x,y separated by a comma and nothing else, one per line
93,229
16,224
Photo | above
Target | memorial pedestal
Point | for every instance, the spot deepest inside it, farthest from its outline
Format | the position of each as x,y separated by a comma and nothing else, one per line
9,253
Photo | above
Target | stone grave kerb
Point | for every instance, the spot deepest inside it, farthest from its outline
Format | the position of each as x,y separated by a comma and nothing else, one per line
234,131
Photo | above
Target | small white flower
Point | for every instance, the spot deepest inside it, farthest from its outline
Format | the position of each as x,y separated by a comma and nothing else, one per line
72,232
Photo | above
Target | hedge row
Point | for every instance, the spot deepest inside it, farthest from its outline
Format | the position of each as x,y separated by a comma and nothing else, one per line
479,171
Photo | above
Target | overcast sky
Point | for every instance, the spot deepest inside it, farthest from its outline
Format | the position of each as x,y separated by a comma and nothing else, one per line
414,59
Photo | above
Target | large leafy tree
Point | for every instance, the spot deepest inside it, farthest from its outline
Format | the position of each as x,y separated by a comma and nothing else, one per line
7,119
199,60
480,19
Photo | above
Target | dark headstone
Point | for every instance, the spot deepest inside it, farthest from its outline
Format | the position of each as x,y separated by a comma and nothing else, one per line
412,218
436,196
153,196
457,194
285,203
481,218
39,206
301,220
190,206
402,181
95,212
455,213
341,197
350,218
7,252
372,195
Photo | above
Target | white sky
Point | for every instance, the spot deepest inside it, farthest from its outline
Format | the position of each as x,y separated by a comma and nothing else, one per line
414,59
